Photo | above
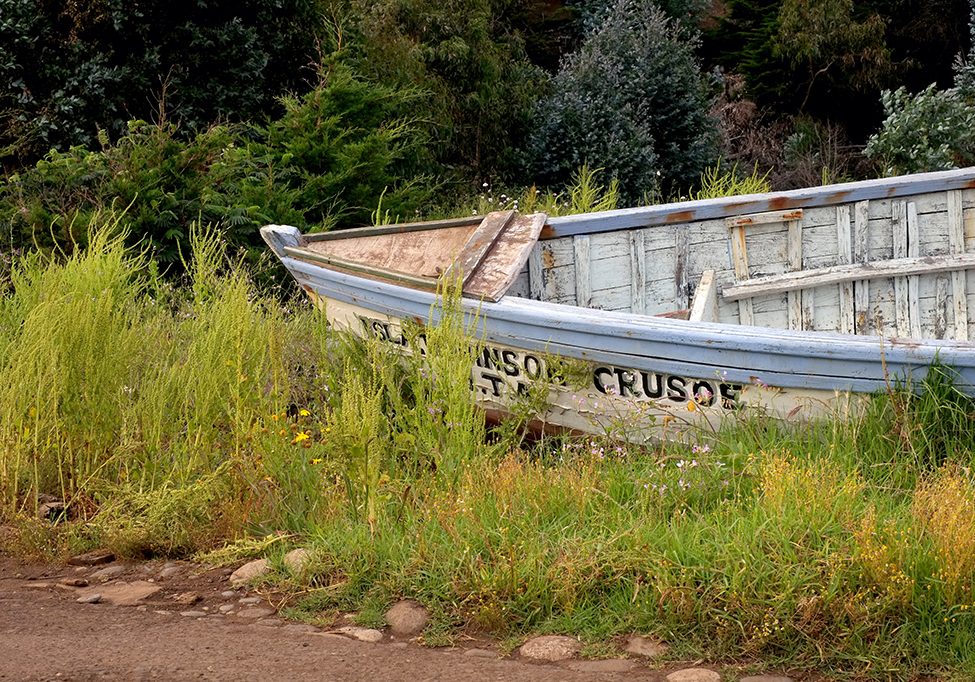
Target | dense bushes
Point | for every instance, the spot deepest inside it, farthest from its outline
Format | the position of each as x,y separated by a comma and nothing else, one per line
69,69
633,101
326,162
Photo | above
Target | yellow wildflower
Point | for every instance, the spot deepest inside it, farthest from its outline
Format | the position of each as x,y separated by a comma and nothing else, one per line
300,436
304,413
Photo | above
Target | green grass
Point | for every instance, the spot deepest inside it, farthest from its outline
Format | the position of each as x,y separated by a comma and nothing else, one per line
207,421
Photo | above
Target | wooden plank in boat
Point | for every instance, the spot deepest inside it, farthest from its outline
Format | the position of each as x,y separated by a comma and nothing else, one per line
861,288
764,218
897,267
505,258
704,307
478,244
844,242
583,275
956,244
739,256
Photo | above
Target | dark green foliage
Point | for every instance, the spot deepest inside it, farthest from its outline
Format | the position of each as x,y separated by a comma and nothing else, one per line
467,58
68,69
632,101
325,163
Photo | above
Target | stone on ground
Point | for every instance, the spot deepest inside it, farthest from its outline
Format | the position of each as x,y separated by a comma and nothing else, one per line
297,560
75,582
187,598
407,618
361,634
122,593
645,646
250,571
226,608
194,614
607,665
550,648
255,612
694,675
92,558
168,571
89,599
108,573
249,600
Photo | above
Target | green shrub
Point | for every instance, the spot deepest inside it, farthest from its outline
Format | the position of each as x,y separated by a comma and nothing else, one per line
326,162
632,101
932,130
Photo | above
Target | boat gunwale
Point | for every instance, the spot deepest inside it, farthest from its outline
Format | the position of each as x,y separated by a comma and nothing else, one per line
682,212
896,357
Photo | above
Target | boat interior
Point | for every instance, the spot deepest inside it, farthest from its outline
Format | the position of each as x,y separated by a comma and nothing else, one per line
893,258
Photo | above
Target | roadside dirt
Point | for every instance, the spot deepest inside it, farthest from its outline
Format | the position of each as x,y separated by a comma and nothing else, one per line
178,632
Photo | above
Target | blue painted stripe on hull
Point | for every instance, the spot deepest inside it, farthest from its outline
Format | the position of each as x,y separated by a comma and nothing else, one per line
710,209
780,357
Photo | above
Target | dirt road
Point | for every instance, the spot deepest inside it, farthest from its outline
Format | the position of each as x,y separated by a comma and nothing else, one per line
45,634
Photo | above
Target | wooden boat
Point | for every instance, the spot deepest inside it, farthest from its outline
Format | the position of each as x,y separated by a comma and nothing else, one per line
681,313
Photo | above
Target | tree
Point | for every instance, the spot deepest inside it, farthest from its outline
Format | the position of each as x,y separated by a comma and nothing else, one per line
632,101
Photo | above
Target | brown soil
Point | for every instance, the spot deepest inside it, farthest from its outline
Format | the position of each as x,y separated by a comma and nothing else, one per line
45,634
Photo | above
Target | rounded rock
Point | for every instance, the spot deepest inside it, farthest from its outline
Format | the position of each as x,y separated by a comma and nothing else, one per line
361,634
550,648
250,571
89,599
407,618
693,675
297,560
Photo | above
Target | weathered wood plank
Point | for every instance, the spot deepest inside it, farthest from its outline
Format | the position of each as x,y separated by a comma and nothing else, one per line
739,257
844,242
580,246
505,258
898,229
536,275
794,248
956,244
280,237
638,272
764,218
476,248
704,307
941,308
913,281
681,258
399,228
861,288
898,267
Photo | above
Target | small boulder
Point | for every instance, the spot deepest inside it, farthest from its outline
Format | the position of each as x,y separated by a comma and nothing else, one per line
250,571
550,648
407,618
639,645
89,599
297,560
108,573
75,582
693,675
92,558
123,594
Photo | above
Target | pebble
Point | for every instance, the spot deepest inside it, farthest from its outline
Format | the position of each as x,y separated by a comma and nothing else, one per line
228,594
108,573
607,665
300,628
270,622
645,646
550,648
255,612
361,634
249,600
693,675
75,582
407,618
193,614
226,608
89,599
481,653
250,571
168,572
187,598
164,613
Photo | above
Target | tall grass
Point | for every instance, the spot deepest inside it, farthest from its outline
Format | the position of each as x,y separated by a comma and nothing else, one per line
176,421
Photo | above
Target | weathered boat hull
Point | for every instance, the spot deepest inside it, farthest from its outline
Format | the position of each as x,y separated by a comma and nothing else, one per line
650,371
